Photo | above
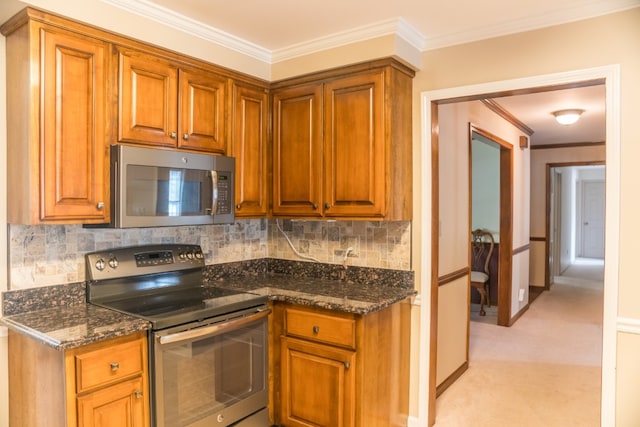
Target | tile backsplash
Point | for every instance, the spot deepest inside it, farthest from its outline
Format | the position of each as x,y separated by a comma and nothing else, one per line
54,254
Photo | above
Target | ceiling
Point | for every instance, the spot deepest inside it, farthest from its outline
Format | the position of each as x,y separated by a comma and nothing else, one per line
280,27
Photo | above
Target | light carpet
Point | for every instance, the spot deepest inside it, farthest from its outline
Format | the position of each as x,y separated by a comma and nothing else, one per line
544,371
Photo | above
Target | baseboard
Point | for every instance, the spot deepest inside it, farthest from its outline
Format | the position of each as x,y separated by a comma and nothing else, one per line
413,422
451,378
519,315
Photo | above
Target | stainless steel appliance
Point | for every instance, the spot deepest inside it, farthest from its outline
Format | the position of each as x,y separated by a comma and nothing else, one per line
152,187
207,346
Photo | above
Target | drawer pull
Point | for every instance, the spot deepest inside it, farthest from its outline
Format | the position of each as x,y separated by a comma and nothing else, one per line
138,394
114,366
316,329
347,365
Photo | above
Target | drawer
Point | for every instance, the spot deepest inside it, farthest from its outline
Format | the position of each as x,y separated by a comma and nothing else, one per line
320,327
108,365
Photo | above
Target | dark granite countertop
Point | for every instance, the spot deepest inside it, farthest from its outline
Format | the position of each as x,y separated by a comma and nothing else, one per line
338,295
59,317
74,325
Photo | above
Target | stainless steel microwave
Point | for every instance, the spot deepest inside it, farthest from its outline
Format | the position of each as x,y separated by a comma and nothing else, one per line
153,187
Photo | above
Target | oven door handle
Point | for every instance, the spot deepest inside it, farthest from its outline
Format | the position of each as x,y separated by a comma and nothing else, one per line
212,330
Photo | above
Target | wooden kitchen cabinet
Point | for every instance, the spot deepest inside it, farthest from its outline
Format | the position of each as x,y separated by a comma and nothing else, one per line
342,143
340,369
99,384
249,146
57,155
163,103
297,151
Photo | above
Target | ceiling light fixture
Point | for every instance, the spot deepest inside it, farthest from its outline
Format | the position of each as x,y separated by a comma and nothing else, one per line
567,117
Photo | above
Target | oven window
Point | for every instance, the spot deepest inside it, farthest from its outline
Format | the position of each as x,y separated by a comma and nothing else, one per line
199,379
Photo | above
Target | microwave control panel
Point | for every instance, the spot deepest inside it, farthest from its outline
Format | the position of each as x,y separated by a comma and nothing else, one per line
225,187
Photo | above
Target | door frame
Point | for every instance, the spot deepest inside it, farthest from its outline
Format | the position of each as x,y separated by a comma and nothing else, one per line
547,247
505,258
428,236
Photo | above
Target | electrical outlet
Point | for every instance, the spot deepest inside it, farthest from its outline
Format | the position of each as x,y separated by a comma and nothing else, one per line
521,295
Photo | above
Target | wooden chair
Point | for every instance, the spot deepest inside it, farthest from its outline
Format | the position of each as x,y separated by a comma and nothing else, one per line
480,257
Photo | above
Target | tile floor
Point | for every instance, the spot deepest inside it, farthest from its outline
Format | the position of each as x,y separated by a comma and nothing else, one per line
544,371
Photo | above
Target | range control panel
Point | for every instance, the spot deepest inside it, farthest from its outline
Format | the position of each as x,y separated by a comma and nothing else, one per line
139,260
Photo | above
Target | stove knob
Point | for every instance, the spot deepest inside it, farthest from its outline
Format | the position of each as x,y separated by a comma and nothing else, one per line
199,255
113,262
189,255
100,265
182,255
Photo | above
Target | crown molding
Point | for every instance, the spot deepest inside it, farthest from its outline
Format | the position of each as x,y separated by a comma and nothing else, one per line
394,26
576,12
162,15
190,26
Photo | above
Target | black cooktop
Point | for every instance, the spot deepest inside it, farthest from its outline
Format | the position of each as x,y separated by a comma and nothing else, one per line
174,308
161,284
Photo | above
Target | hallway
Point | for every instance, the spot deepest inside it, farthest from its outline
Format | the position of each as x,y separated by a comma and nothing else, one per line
544,371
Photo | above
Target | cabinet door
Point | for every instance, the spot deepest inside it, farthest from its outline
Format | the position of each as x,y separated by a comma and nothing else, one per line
297,151
202,103
73,140
120,405
318,384
148,100
249,147
354,146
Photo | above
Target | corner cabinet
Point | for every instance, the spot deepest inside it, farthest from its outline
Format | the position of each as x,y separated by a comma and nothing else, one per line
339,369
100,384
57,154
165,104
342,143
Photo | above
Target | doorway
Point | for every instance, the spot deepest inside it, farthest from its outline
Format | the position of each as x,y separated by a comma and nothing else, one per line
491,202
575,215
610,76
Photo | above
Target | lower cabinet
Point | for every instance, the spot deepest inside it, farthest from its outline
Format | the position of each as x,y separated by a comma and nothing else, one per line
100,384
338,369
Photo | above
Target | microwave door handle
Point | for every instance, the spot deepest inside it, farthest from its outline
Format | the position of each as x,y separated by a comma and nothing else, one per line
214,192
217,329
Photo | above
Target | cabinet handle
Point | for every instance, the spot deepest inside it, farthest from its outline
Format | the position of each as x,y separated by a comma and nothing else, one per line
100,205
185,136
115,366
238,206
347,365
314,206
138,394
173,135
316,329
327,205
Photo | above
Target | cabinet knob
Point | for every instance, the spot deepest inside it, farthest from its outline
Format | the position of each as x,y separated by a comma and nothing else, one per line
137,394
100,205
347,365
327,205
185,136
238,206
316,329
173,135
314,206
114,366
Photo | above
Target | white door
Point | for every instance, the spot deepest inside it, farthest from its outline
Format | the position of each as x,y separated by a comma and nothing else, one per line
593,219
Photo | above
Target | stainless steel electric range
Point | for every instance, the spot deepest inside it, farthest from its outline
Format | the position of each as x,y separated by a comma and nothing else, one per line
207,346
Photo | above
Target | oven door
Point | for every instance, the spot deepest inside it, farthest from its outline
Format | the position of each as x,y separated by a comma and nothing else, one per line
211,374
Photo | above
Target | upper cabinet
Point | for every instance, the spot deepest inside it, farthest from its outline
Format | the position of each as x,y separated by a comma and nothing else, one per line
342,143
249,145
164,104
57,154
